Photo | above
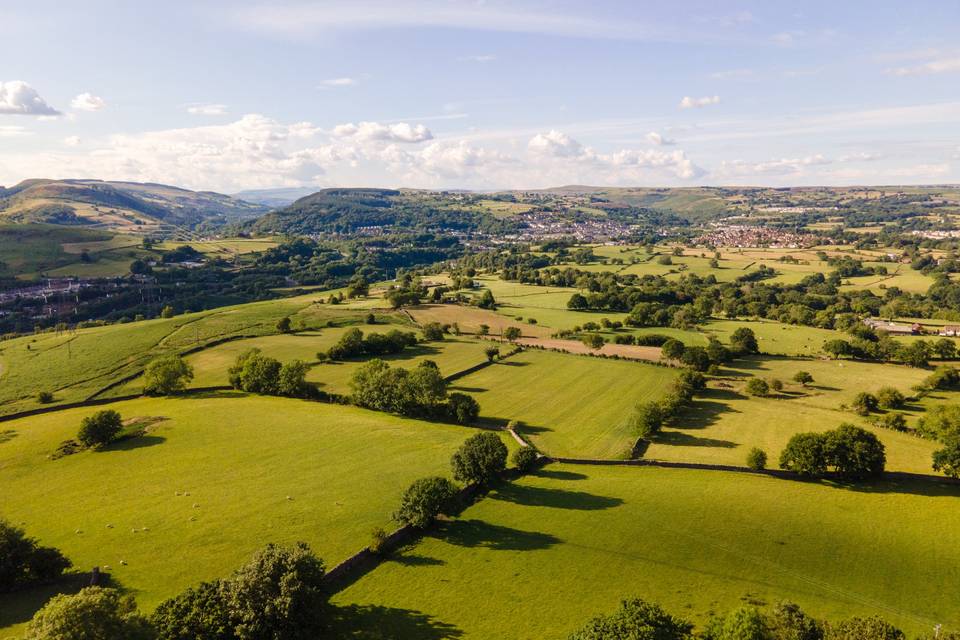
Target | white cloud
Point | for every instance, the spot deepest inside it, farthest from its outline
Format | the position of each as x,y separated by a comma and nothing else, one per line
72,141
478,58
207,109
339,82
696,103
88,102
655,138
732,74
862,156
780,166
19,98
556,144
371,131
14,131
939,65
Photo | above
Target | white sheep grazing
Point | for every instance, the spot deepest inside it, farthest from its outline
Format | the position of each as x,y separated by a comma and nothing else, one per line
109,526
78,531
196,505
123,562
289,497
144,529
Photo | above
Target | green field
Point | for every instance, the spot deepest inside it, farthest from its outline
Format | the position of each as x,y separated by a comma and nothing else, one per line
547,552
571,406
30,248
239,458
775,338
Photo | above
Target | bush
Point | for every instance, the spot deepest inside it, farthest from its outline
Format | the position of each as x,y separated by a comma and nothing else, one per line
524,459
696,358
480,459
743,341
805,454
890,398
647,419
853,453
93,613
593,341
100,429
24,563
166,375
291,380
757,459
512,333
432,332
492,353
424,500
378,539
864,403
635,620
757,387
892,420
45,397
947,459
863,629
462,409
776,384
198,613
672,349
803,378
284,324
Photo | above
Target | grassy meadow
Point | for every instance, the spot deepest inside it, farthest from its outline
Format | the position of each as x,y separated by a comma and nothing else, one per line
553,549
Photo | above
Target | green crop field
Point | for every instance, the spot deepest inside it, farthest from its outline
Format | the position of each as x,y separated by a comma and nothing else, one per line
553,549
239,458
580,403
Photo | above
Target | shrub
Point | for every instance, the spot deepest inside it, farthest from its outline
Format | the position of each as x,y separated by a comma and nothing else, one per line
947,459
492,353
593,340
672,349
743,341
480,459
291,380
803,378
99,429
432,332
864,403
863,629
166,375
805,454
757,459
757,387
45,397
424,500
890,398
745,623
283,324
647,419
635,619
776,384
92,613
463,409
198,613
696,358
524,459
892,420
167,312
24,563
512,333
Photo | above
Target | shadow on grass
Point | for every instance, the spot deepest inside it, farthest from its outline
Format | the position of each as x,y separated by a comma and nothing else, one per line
558,475
413,560
135,442
680,439
477,533
701,413
19,606
211,394
7,435
900,482
463,389
375,622
555,498
514,363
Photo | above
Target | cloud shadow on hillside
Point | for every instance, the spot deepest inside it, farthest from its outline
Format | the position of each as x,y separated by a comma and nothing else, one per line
477,533
556,498
375,622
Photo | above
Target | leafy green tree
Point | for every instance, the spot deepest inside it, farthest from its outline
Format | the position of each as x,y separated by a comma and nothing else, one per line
199,613
672,349
805,454
947,459
892,420
99,429
167,312
166,375
775,384
757,459
941,422
24,563
233,373
789,622
350,345
578,302
492,353
462,408
838,348
92,614
743,341
890,398
696,358
480,459
854,453
745,623
802,378
279,595
292,379
863,629
45,397
358,287
260,374
717,353
524,459
916,354
483,330
427,386
864,403
424,500
432,332
284,324
757,387
635,620
945,348
593,340
646,419
511,333
486,300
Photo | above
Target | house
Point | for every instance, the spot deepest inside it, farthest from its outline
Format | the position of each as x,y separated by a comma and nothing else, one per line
950,330
892,327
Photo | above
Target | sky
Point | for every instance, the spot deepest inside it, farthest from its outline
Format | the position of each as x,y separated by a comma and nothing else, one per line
252,94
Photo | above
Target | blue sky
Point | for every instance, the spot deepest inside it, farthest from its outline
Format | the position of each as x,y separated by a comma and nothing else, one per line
254,94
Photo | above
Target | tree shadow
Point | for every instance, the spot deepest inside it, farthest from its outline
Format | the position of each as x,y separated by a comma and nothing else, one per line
375,622
135,442
555,498
413,560
823,387
901,482
680,439
558,475
477,533
209,394
19,606
463,389
514,363
7,435
700,415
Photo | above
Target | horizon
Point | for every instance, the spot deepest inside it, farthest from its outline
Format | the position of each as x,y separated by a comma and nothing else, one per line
489,96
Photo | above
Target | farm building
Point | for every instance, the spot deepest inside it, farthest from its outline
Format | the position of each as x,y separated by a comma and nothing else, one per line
893,327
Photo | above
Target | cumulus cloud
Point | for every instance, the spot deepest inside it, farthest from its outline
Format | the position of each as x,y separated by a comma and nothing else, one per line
207,109
555,143
939,65
339,82
695,103
655,138
375,131
19,98
779,166
88,102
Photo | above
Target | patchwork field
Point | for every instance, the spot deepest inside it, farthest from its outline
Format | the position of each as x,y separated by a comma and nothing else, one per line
549,551
235,460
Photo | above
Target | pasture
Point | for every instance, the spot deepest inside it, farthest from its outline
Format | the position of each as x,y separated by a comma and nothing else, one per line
549,551
233,460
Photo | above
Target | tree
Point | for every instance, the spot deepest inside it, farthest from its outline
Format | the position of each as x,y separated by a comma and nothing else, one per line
463,409
424,500
100,429
789,622
696,358
511,333
838,348
635,620
744,342
427,386
492,353
593,340
864,629
93,613
945,348
284,324
578,302
166,375
524,459
483,330
45,397
167,312
486,300
757,459
890,398
358,287
480,459
24,563
775,384
947,459
803,378
672,349
647,419
717,353
350,345
757,387
432,332
854,453
260,374
279,595
291,380
941,422
199,613
745,623
864,403
916,354
805,454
